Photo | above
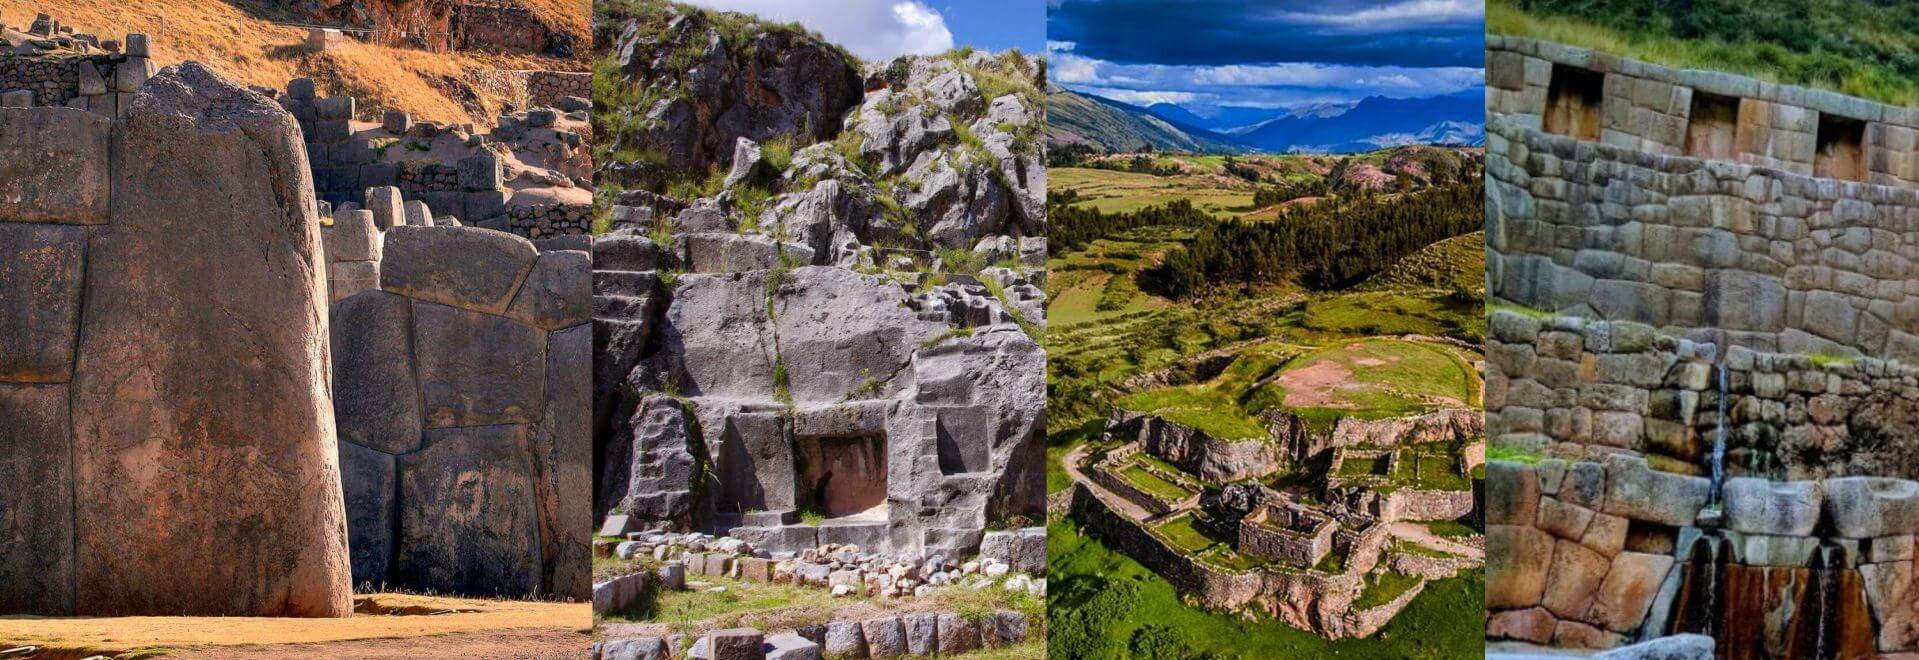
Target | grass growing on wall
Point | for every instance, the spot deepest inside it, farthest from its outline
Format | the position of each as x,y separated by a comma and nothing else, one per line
1103,604
1869,50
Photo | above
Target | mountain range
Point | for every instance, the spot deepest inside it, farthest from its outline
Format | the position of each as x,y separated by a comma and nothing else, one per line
1368,124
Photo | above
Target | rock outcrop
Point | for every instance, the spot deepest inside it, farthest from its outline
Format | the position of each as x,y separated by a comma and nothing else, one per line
173,392
818,332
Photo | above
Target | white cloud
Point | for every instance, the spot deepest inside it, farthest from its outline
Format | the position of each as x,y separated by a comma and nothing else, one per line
1395,16
1137,97
1060,46
872,29
1296,79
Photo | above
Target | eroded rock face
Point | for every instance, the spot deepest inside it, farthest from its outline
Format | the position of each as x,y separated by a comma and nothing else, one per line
202,367
830,338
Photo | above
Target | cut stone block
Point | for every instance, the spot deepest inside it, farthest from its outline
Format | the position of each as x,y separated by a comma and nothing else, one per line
466,267
53,166
487,545
41,270
376,396
477,369
36,556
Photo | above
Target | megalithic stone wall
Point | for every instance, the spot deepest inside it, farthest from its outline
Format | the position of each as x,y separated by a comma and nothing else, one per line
464,412
162,337
1742,231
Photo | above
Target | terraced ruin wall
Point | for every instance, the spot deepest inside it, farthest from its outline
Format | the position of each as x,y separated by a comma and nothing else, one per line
99,80
144,364
1759,244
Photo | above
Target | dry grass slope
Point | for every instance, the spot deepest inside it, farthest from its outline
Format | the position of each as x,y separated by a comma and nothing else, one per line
245,41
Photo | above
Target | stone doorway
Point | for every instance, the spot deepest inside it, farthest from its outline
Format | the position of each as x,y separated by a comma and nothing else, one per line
1841,148
1712,126
842,475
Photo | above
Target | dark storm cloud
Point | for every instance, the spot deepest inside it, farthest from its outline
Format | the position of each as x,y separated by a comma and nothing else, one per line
1418,33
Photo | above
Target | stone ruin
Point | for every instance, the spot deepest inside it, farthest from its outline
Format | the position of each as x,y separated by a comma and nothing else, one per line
1712,379
48,64
163,361
798,373
1293,534
461,374
527,175
441,25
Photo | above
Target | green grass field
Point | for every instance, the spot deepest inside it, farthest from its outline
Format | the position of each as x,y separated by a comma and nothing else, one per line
1102,604
1153,484
1184,535
1117,192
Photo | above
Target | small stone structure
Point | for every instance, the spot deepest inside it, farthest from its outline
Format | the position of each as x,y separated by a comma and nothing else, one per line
59,68
169,436
1292,534
463,374
534,88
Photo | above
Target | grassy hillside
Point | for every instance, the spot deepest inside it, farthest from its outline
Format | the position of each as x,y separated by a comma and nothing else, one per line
1457,263
244,41
1866,49
1074,118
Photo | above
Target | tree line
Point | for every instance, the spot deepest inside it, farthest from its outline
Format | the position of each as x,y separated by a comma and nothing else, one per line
1328,245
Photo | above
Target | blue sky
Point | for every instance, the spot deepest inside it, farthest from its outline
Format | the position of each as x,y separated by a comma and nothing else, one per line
882,29
1206,53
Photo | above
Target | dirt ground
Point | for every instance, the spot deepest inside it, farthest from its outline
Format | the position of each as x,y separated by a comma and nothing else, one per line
418,627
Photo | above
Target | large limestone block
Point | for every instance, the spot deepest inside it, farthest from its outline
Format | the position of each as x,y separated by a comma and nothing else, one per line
36,545
1781,508
1627,594
1000,375
386,206
466,267
1637,492
40,275
564,448
558,293
1865,507
469,516
53,165
845,335
477,369
1575,575
717,339
1022,549
376,398
369,480
754,460
653,476
1517,558
353,237
1512,493
203,367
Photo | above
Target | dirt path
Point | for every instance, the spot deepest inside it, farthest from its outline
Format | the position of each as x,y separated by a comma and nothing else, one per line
521,644
482,622
1126,506
1419,534
1312,386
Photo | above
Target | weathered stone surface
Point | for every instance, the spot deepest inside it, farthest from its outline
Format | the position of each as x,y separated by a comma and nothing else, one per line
1623,600
957,634
736,644
1637,492
376,399
37,552
371,489
477,369
1512,493
1517,559
200,372
845,639
1574,577
563,448
469,521
558,293
1676,647
53,166
1533,624
639,648
1865,507
387,207
465,267
842,332
722,340
922,633
353,237
1022,549
791,646
1785,508
41,273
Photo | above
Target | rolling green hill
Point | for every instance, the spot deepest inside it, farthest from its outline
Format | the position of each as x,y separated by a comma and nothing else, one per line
1073,118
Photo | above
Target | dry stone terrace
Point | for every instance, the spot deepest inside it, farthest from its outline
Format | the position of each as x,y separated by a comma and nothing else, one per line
528,174
1704,377
48,64
1195,510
